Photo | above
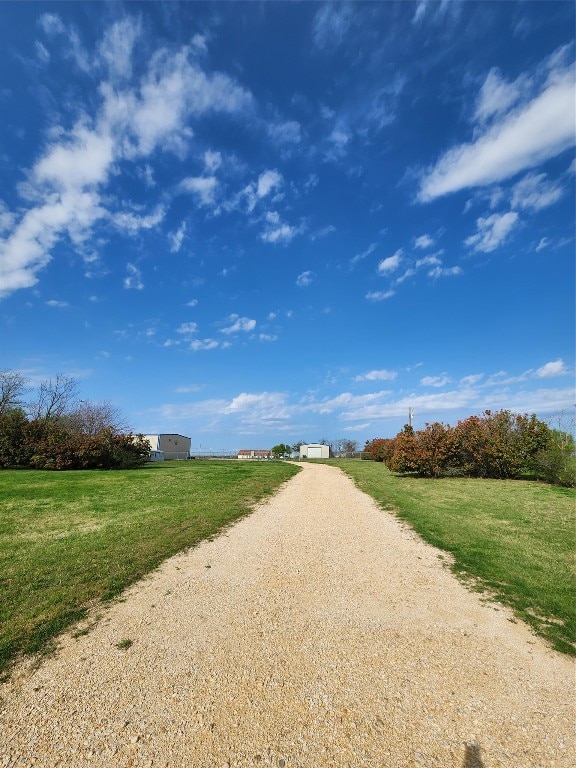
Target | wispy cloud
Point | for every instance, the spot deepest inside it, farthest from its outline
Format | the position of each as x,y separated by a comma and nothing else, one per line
363,254
331,24
379,375
204,187
57,304
305,279
133,280
535,192
435,381
380,295
520,138
238,324
391,263
423,242
492,231
67,189
268,181
552,369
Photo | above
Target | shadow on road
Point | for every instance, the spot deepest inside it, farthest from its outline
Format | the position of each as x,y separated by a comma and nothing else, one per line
472,757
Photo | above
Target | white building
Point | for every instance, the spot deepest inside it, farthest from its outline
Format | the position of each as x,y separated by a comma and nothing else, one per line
172,446
314,451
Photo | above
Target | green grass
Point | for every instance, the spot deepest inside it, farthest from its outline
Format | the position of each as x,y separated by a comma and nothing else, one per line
71,539
513,539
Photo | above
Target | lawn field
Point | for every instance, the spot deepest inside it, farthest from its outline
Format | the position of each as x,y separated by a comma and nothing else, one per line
71,539
513,539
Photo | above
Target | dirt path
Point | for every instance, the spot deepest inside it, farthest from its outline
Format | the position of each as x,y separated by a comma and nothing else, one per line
317,632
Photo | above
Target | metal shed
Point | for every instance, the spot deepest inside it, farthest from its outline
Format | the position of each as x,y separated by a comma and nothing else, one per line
314,451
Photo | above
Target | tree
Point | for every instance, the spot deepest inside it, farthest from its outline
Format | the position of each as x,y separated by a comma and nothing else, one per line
88,418
55,398
13,387
348,448
379,449
281,450
556,463
296,446
13,444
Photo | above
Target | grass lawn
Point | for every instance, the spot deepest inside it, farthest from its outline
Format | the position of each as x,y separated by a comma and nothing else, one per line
71,539
514,539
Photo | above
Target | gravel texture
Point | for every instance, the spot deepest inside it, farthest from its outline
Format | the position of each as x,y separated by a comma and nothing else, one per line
317,632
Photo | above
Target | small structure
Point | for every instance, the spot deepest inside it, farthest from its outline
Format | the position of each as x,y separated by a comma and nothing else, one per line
156,455
314,451
172,446
254,454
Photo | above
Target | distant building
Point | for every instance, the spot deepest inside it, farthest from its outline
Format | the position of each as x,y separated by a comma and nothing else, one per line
254,454
314,451
171,446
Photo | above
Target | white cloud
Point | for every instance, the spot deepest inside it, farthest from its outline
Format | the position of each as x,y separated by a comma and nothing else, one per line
132,224
497,96
283,233
423,242
212,161
65,189
304,279
435,381
187,328
534,192
57,304
177,237
202,186
379,295
554,368
381,375
51,24
323,232
363,254
81,160
133,280
42,53
428,261
261,406
444,272
199,345
287,132
117,46
267,182
544,243
331,24
492,231
391,263
521,139
469,381
239,324
441,9
410,272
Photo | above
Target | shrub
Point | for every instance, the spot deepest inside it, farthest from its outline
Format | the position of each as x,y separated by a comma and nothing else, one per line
556,462
378,449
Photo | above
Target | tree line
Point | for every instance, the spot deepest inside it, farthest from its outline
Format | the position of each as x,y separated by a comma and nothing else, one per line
49,427
492,445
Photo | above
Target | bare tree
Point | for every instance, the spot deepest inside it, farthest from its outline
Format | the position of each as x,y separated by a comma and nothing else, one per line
13,387
348,448
55,398
89,418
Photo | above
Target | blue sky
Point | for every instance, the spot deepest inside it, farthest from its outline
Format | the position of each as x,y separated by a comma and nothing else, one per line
254,223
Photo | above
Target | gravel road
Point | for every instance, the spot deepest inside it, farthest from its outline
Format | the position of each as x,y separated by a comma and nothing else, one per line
318,632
